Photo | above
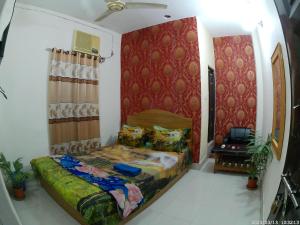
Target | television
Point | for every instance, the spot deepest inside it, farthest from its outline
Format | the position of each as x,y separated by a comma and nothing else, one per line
6,12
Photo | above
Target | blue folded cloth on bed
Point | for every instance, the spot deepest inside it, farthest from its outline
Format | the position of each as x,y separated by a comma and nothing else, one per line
127,170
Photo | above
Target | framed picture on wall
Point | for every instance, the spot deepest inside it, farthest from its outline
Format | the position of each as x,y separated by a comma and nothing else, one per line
279,100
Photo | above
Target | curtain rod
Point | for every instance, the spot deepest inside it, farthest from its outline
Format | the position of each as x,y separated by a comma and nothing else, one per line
101,58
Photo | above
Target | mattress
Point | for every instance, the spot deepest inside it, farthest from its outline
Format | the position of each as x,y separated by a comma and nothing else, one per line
98,207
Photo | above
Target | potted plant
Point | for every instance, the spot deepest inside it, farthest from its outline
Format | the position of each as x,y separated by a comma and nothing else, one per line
260,152
16,175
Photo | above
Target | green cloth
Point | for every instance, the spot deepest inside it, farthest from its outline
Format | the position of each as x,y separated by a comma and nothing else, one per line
95,205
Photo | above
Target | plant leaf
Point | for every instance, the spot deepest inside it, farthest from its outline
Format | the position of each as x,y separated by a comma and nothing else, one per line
18,165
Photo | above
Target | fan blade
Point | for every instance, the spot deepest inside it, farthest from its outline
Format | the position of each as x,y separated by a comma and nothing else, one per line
141,5
104,15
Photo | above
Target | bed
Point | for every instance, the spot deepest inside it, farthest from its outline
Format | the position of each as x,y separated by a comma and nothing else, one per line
90,205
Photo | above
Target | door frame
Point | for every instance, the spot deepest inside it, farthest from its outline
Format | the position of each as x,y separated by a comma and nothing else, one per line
211,143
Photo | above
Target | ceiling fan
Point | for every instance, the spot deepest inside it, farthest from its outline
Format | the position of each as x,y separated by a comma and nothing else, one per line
119,5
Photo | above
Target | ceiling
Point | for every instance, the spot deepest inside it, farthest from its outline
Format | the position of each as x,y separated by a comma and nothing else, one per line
221,17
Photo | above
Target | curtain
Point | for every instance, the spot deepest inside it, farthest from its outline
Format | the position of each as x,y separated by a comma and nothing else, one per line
73,111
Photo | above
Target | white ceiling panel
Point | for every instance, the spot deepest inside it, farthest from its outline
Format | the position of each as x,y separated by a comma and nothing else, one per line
221,17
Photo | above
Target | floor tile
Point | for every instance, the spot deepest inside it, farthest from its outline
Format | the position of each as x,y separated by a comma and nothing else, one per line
145,218
163,219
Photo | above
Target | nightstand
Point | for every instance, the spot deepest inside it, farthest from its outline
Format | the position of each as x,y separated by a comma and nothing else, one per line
231,158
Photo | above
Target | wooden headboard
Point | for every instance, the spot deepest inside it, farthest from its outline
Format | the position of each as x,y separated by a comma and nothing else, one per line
149,118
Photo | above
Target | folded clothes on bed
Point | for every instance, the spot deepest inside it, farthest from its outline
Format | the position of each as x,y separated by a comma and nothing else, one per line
127,195
127,170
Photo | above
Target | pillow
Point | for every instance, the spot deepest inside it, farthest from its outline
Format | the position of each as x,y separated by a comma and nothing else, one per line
169,139
131,136
148,138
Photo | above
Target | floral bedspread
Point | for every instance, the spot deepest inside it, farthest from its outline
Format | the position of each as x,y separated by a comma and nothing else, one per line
127,195
97,206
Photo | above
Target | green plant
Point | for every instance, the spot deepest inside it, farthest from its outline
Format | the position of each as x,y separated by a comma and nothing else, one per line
260,152
14,171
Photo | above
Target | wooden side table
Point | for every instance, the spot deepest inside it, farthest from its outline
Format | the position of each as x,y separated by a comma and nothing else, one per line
231,158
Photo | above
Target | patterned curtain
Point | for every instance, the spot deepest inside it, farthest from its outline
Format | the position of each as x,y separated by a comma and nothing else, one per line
73,103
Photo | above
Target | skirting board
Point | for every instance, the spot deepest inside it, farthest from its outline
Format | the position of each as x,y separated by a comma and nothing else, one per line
198,166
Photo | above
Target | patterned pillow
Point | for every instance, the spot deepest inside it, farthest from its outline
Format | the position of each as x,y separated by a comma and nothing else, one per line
131,136
169,139
148,138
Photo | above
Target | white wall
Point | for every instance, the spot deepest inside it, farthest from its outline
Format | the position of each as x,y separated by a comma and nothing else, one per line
268,36
207,58
259,83
24,73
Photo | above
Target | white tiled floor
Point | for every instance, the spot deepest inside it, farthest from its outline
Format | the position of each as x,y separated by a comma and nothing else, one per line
199,198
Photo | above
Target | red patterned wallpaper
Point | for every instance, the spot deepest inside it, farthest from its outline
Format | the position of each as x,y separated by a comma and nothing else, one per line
161,69
235,84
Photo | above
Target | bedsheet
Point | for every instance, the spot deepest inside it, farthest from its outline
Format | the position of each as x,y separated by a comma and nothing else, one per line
98,207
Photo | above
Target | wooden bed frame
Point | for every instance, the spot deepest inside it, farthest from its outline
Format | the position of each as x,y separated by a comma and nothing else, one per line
145,119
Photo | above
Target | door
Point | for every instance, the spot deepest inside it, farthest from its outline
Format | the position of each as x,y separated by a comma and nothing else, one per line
286,204
212,104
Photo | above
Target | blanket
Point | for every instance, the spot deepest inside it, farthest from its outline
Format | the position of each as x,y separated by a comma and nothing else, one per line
127,195
96,205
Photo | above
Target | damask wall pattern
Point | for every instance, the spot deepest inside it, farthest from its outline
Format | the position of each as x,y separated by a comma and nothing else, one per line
161,69
235,84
